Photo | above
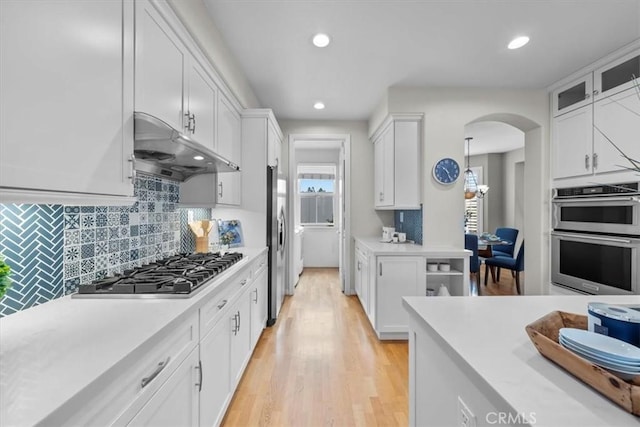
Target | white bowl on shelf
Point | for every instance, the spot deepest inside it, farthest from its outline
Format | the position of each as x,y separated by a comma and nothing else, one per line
432,267
444,267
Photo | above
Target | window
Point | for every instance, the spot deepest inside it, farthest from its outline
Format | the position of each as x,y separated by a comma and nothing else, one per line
473,208
316,191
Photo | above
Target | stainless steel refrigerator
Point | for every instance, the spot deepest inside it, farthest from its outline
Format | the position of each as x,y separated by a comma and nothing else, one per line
277,241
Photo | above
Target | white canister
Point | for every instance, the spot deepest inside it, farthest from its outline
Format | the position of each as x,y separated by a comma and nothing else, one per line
443,291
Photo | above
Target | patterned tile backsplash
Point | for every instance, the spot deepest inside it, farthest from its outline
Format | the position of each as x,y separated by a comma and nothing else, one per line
411,224
52,248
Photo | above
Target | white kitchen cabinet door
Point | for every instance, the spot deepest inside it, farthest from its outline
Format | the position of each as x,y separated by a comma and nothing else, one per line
66,109
176,402
573,143
572,95
618,119
274,144
215,358
240,322
229,146
617,76
397,277
201,109
160,64
258,296
407,160
384,169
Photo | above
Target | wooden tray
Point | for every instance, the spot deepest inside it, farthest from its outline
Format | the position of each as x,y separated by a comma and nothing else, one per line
544,334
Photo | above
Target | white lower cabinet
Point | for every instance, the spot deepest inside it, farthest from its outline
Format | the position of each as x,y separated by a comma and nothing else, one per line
240,323
176,401
258,301
215,358
396,277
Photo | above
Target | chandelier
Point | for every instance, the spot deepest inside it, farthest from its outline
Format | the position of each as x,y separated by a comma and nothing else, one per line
471,187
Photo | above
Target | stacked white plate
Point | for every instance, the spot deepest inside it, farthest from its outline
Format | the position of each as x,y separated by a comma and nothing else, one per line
616,356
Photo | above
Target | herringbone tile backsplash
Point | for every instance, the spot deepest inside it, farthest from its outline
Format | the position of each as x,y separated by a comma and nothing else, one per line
53,248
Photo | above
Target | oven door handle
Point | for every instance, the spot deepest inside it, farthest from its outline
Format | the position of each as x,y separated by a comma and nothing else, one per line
597,199
590,237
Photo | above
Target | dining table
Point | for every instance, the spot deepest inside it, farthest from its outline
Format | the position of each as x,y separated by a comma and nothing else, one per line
485,246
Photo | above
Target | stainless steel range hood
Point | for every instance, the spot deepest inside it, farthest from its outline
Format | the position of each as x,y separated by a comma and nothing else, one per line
161,150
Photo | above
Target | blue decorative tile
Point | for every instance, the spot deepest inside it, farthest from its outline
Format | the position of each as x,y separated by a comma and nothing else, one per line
124,244
102,234
133,254
72,253
101,220
411,225
114,233
87,209
71,221
72,209
71,237
134,231
113,219
114,246
124,257
87,220
101,274
102,209
102,248
88,236
71,269
87,278
87,266
124,231
88,251
71,285
114,259
102,262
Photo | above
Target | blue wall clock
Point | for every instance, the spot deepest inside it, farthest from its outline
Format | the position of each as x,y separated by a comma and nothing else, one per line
446,171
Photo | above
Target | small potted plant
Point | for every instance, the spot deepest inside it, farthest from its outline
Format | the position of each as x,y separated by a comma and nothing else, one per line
5,281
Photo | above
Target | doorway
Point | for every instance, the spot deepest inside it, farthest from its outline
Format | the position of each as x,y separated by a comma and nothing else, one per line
314,156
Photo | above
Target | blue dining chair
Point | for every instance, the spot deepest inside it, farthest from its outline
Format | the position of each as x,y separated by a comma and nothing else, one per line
509,235
471,243
516,265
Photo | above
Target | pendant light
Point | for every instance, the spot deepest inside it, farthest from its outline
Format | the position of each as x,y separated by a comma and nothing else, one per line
471,187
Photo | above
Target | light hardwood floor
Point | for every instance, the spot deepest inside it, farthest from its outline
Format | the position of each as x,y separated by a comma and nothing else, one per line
322,365
505,286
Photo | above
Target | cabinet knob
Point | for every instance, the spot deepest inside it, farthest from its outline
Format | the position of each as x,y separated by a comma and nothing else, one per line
587,95
596,92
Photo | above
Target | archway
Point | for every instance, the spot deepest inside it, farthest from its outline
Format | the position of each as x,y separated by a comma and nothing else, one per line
535,200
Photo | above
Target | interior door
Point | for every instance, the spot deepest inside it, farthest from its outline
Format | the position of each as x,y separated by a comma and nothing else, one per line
342,261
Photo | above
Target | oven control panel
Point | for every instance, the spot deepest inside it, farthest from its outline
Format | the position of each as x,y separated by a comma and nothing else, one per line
598,190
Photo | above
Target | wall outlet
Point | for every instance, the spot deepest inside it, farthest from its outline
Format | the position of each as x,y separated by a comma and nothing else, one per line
465,416
189,215
401,216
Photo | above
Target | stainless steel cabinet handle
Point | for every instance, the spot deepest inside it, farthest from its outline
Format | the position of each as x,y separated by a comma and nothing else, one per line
587,95
220,189
381,196
199,368
256,300
380,269
132,160
596,92
591,237
235,324
191,122
193,117
586,161
222,304
595,160
146,380
239,321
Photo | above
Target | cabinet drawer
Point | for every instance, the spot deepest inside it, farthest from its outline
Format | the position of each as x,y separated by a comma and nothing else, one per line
212,311
259,264
117,395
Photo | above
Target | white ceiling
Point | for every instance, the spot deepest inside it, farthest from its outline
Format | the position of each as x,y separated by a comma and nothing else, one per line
377,44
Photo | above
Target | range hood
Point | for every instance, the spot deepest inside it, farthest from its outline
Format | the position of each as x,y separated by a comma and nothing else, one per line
163,151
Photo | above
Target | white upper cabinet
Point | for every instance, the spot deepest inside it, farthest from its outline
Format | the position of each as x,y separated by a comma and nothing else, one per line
616,120
170,83
229,146
66,109
397,160
202,104
160,64
573,95
617,76
592,115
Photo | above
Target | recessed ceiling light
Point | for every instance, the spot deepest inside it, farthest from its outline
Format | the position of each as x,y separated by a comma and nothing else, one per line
198,158
319,105
518,42
321,40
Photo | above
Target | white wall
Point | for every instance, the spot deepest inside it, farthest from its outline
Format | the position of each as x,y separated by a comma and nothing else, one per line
513,172
447,111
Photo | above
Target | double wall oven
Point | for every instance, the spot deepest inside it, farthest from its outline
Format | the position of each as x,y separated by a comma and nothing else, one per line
595,242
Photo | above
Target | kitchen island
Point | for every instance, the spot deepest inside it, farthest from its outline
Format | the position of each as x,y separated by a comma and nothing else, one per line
474,352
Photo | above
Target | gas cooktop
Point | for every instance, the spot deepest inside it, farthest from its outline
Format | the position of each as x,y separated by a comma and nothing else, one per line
177,276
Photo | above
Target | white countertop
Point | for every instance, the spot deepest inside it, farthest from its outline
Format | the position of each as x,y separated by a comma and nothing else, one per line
381,248
489,334
51,352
